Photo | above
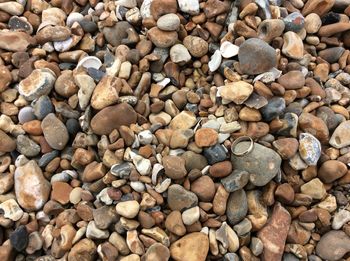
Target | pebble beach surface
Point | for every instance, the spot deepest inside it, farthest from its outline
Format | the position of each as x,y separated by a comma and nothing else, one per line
186,130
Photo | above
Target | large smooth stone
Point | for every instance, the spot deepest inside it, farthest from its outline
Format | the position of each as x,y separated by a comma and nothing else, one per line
333,245
262,163
113,117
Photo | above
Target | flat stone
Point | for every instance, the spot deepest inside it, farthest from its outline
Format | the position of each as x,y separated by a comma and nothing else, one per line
274,234
22,40
238,92
292,80
256,56
314,188
262,163
193,246
112,117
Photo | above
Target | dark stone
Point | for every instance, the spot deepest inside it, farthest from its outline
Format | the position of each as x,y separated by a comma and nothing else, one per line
237,206
96,74
115,34
122,170
294,22
256,56
42,107
88,26
330,18
331,55
273,109
290,125
215,154
236,180
73,126
19,238
47,157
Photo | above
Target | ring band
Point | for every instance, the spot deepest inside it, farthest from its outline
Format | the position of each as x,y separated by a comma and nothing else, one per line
240,139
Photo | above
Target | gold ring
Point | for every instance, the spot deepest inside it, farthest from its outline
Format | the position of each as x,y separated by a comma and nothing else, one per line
240,139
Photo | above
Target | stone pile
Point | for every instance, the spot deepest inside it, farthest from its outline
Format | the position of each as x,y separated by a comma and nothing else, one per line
117,120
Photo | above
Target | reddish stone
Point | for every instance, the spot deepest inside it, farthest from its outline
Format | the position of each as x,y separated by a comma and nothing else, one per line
274,234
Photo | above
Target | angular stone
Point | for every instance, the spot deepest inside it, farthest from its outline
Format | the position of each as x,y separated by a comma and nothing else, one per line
39,82
256,56
238,92
194,247
236,180
180,198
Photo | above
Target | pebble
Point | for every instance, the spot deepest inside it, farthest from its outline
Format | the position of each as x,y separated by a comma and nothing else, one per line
331,170
84,249
309,149
236,180
228,237
162,39
27,147
101,123
215,61
190,216
206,137
314,188
273,109
128,209
189,6
292,80
238,92
39,82
293,46
262,163
204,188
180,198
11,210
31,188
294,22
55,132
193,246
340,218
286,147
168,22
312,23
196,45
42,107
174,167
340,137
228,49
179,54
236,212
19,238
156,252
7,143
214,154
333,245
256,56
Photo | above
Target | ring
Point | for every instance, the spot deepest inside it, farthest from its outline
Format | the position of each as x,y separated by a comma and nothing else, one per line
240,139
